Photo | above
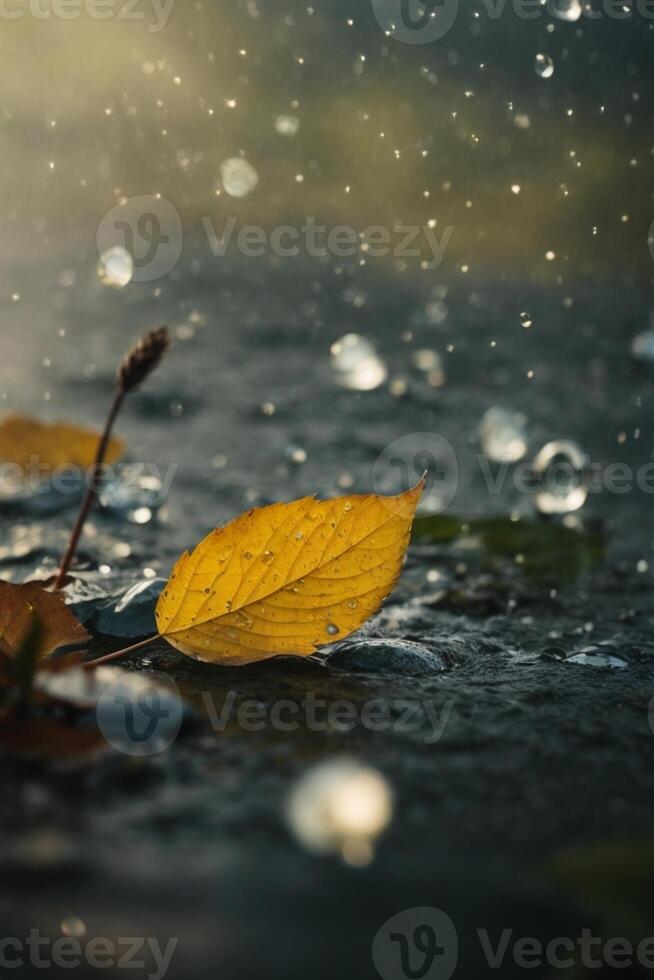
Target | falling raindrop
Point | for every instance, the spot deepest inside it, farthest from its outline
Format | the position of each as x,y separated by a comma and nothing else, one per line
239,176
569,10
526,320
503,435
296,455
116,267
642,346
287,125
560,468
544,66
356,364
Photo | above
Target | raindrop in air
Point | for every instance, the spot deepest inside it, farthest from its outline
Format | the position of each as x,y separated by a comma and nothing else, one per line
526,320
239,176
560,467
503,435
569,10
116,267
356,364
430,362
544,66
642,346
295,454
287,125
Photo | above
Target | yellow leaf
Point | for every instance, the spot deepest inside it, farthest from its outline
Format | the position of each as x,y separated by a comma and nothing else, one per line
19,604
24,440
286,578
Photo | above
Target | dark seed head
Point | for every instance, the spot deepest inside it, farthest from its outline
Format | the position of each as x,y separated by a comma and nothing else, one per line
143,358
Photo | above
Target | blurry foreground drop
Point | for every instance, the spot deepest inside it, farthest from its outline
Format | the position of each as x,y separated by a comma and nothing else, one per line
544,66
356,364
239,176
73,926
340,807
642,346
116,267
287,125
560,468
503,435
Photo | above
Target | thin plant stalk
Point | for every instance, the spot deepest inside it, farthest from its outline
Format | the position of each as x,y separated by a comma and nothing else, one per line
139,361
91,490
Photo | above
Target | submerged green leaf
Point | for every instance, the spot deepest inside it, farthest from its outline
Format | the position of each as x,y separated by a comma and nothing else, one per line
545,550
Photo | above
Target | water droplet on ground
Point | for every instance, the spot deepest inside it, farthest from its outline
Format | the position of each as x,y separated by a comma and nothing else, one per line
133,495
596,658
560,467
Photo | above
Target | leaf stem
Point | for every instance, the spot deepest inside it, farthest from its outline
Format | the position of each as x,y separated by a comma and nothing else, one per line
119,653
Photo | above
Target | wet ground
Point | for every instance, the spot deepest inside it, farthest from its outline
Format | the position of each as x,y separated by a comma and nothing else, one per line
533,768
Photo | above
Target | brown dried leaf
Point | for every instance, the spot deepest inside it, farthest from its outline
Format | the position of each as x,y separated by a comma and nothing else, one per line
45,737
19,604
